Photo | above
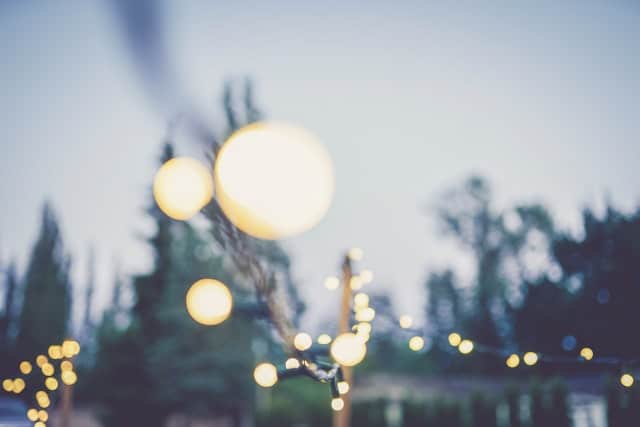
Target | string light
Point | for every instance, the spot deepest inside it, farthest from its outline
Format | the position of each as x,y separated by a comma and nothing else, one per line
292,363
337,404
209,302
43,415
343,387
366,276
39,424
363,328
324,339
302,341
66,365
465,347
18,385
348,349
69,377
70,348
332,283
513,361
405,321
41,359
355,282
7,385
627,380
266,375
47,369
25,367
51,383
365,315
416,343
32,414
55,352
454,339
586,353
361,300
530,358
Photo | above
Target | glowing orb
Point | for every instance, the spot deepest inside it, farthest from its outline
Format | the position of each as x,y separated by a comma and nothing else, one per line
361,300
530,358
182,186
25,367
513,361
273,180
348,349
627,380
292,363
586,353
343,387
209,302
405,321
454,339
265,374
324,339
302,341
337,404
465,347
416,343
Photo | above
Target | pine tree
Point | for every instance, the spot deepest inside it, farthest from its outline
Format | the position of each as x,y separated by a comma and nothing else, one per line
47,291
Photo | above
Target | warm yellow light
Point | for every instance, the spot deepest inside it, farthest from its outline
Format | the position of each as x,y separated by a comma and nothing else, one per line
513,361
55,352
586,353
32,414
7,385
343,387
43,415
292,363
39,424
530,358
66,365
273,180
362,328
365,315
181,187
40,395
51,383
302,341
69,377
405,321
416,343
455,339
360,300
68,348
465,347
43,399
209,302
356,254
25,367
18,385
324,339
332,283
47,369
366,276
355,283
265,374
41,359
337,404
348,349
627,380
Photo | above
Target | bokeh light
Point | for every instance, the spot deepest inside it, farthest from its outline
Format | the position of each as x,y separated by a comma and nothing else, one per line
337,404
292,363
55,352
324,339
51,383
367,314
362,328
41,359
43,415
356,254
416,343
627,380
405,321
332,283
273,180
265,374
454,339
181,187
530,358
465,347
18,385
302,341
47,369
32,414
513,361
348,349
361,300
69,377
343,387
7,385
586,353
366,276
70,348
355,282
25,367
209,302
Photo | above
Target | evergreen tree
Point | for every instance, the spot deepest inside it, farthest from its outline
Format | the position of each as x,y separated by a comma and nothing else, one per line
47,291
8,313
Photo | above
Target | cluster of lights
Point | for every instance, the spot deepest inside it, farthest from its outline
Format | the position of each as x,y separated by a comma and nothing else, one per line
45,364
465,346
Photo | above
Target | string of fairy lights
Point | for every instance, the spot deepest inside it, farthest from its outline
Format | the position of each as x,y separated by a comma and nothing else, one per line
46,382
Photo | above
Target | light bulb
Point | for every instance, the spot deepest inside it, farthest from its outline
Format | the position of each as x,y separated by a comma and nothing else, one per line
273,180
209,302
465,347
181,187
337,404
348,349
416,343
513,361
302,341
405,321
530,358
266,375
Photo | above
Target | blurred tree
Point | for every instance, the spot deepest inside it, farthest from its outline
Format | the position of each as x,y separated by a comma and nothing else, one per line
7,318
443,303
47,291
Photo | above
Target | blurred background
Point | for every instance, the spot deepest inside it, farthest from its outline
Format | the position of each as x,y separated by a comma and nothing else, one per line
485,163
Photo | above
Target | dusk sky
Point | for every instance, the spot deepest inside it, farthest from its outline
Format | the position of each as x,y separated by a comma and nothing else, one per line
409,98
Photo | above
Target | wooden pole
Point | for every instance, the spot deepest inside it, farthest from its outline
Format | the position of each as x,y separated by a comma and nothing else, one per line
67,404
343,418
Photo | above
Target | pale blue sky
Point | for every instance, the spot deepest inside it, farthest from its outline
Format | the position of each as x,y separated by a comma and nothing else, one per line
409,97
